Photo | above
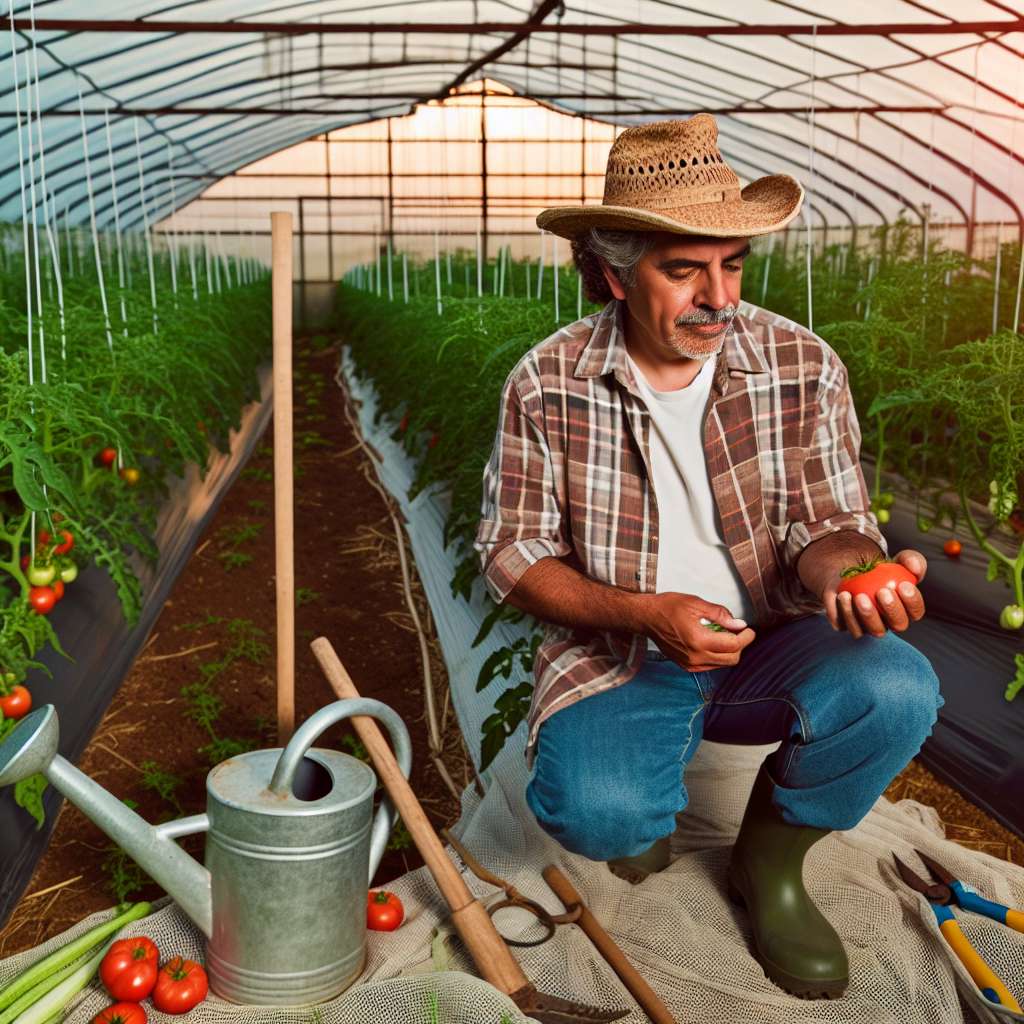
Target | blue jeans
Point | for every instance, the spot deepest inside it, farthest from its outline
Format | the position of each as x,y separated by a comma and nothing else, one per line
851,713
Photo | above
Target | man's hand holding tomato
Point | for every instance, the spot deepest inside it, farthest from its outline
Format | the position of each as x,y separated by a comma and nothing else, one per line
821,564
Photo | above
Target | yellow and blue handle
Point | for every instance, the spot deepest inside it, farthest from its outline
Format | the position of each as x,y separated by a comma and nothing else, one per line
984,977
967,898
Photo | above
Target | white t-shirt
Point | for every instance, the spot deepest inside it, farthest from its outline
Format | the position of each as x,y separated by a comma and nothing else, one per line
693,557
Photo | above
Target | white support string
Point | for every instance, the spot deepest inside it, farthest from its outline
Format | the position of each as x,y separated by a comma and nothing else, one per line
479,265
995,283
391,283
405,276
92,222
145,227
376,249
67,239
24,232
540,266
209,265
223,258
173,236
40,324
810,184
47,201
437,269
192,267
554,270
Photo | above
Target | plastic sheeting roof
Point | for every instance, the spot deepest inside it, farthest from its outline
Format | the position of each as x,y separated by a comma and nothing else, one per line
212,100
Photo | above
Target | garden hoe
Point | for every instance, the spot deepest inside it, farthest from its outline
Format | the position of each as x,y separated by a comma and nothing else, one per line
492,957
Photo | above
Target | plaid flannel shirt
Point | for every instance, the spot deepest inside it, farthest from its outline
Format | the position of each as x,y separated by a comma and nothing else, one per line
569,475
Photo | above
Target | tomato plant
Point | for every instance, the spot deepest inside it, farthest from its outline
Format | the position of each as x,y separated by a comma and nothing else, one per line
384,910
129,968
180,985
121,1013
17,703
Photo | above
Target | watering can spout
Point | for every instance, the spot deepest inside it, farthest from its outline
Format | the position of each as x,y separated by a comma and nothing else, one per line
32,748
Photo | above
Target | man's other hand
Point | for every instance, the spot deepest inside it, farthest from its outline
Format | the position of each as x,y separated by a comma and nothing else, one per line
673,621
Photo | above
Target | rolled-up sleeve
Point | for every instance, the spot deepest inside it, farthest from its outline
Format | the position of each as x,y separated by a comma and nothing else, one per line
833,493
520,516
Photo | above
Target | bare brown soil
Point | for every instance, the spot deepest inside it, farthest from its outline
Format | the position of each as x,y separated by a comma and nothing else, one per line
347,564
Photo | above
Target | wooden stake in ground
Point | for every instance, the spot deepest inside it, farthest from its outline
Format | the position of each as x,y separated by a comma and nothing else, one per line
284,479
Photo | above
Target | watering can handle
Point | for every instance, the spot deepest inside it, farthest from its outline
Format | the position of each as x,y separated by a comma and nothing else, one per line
310,730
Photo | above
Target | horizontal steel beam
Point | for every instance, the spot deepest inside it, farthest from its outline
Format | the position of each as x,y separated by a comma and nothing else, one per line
298,28
325,112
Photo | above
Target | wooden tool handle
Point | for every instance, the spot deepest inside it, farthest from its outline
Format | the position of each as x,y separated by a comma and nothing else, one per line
473,923
638,988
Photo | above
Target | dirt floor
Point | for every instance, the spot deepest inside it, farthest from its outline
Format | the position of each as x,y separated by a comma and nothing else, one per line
203,686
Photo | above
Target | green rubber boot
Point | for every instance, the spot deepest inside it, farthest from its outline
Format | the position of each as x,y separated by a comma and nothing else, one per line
636,868
794,943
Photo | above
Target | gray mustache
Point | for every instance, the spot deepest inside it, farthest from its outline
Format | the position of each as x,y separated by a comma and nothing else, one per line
723,315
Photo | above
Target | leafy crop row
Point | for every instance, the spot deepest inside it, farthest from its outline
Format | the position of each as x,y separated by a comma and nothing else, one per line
99,410
940,395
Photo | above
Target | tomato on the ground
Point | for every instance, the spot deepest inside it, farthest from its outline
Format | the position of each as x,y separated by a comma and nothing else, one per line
384,910
180,985
17,703
42,599
870,576
130,968
121,1013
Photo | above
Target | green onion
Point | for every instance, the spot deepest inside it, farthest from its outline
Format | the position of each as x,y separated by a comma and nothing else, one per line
65,955
50,1003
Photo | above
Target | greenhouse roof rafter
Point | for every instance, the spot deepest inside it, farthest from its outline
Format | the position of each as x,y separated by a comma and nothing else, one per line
471,28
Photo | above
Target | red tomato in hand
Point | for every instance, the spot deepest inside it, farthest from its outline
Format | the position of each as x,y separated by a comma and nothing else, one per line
17,703
869,578
42,599
121,1013
180,985
384,910
130,968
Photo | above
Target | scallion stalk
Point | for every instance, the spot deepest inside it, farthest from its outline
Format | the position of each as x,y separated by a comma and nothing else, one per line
65,955
49,1003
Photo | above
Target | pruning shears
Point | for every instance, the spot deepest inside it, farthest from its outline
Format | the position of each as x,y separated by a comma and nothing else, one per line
949,891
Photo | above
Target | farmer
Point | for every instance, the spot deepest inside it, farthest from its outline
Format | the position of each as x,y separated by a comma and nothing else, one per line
671,462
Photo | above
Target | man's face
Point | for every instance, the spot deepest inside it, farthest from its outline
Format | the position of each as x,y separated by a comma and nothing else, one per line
686,293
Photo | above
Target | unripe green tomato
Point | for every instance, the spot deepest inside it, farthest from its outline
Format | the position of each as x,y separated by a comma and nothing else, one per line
41,575
882,515
1012,617
885,499
10,677
69,573
924,525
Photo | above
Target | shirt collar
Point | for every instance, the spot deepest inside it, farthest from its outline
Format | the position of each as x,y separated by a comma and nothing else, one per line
605,352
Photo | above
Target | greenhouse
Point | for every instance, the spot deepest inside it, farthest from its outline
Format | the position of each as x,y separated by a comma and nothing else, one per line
512,512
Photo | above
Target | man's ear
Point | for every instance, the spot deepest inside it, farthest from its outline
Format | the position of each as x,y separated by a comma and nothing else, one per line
613,282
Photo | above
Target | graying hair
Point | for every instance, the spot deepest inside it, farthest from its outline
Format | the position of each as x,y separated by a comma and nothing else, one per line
621,250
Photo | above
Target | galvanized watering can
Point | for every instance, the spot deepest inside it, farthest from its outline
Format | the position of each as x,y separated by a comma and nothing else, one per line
289,853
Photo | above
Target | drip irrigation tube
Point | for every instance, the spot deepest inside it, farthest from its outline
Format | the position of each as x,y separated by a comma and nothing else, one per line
92,630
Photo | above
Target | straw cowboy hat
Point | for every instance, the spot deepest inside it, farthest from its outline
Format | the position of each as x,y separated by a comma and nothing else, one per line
670,176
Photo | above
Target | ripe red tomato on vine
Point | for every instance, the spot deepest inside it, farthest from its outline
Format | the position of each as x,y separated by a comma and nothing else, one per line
17,703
